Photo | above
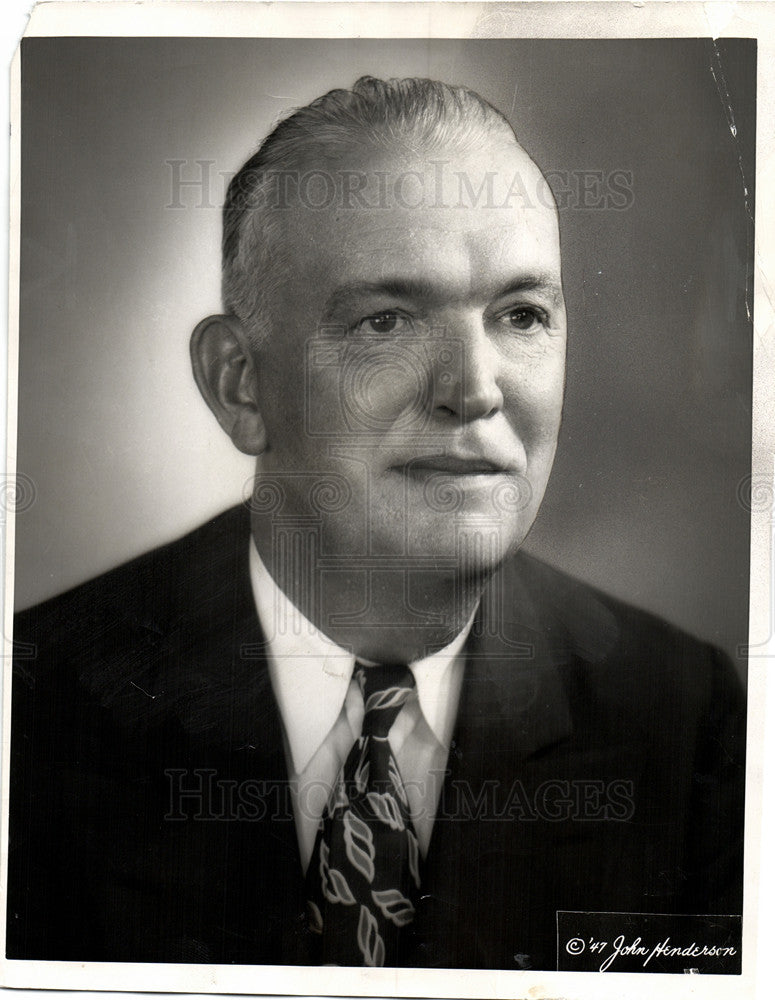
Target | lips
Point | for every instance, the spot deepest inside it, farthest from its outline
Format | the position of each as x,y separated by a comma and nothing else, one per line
455,465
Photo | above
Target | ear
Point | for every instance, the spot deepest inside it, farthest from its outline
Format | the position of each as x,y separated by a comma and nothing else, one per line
224,370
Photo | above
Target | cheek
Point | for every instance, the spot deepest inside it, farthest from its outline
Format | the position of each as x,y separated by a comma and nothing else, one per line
533,398
367,391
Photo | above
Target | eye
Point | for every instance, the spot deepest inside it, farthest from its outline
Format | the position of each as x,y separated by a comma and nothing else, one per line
523,318
387,321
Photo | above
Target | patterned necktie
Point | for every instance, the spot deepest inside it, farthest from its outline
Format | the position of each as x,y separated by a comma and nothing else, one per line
364,876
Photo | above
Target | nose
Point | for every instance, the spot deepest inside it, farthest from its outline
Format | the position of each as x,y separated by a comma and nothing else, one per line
465,373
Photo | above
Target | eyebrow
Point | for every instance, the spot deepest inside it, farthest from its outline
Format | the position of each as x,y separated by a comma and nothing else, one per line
399,288
544,283
414,288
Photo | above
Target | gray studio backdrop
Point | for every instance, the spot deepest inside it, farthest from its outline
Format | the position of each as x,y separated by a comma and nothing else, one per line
652,145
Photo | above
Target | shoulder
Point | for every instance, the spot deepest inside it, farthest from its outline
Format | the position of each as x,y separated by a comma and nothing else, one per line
138,642
591,618
145,593
622,653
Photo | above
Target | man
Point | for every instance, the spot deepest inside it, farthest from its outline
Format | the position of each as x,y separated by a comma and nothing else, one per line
350,722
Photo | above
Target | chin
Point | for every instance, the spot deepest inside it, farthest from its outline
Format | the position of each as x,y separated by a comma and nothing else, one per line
469,544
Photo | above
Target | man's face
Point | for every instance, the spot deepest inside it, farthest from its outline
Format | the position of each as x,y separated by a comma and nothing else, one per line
412,383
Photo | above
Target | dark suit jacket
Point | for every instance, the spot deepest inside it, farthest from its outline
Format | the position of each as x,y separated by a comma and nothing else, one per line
596,765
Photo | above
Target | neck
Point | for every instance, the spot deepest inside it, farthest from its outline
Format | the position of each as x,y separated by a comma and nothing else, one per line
384,614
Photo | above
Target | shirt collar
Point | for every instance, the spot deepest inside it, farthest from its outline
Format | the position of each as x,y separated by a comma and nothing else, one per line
306,668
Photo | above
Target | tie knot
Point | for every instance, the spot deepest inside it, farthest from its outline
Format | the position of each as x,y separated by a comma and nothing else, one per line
386,687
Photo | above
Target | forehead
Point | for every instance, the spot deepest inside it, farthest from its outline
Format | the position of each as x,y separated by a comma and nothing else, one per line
453,219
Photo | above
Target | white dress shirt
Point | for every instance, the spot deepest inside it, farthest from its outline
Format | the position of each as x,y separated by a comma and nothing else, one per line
321,707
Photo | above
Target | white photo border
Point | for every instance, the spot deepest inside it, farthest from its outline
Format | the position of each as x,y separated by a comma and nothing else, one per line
450,20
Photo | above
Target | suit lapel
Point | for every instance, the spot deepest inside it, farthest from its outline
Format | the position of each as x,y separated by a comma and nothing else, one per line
522,744
513,694
217,684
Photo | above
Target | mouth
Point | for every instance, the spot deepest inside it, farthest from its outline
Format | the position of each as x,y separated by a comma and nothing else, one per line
454,465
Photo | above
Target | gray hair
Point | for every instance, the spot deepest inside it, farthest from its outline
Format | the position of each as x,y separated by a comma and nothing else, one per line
414,114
